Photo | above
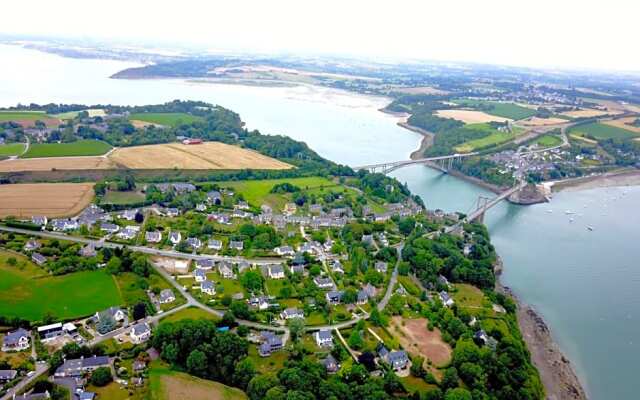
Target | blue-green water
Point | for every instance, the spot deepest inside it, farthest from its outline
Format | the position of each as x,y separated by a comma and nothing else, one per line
586,284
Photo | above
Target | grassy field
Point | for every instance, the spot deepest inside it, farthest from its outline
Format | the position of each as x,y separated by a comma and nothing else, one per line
549,141
494,137
77,148
599,131
115,197
27,291
257,192
12,149
52,200
190,313
22,115
168,119
168,384
505,110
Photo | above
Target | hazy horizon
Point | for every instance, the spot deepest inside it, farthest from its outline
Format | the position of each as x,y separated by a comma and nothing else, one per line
569,35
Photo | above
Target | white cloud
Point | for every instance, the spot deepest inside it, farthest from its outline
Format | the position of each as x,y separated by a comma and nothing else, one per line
564,33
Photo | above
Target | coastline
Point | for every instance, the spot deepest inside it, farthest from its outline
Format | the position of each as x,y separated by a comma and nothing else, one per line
556,371
624,177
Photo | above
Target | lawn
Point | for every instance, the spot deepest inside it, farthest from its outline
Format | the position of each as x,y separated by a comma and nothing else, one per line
114,391
413,384
469,296
257,192
549,141
273,363
122,198
168,119
505,110
408,284
190,313
315,318
493,138
28,292
131,286
12,149
168,384
601,132
77,148
22,115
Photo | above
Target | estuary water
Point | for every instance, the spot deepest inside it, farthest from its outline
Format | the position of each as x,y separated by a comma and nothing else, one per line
585,283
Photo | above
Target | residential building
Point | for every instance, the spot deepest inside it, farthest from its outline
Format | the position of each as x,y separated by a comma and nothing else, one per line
70,329
381,267
88,251
109,227
324,338
236,245
129,232
290,208
194,243
446,299
167,296
31,245
330,364
214,244
80,366
7,375
284,251
323,282
260,302
200,275
153,237
296,269
140,332
129,215
336,267
175,237
292,313
226,270
367,292
172,212
398,360
39,220
270,343
38,258
334,297
214,197
205,264
276,271
208,287
50,331
17,340
114,312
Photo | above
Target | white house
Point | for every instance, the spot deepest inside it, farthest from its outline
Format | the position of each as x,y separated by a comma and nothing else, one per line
200,275
140,332
115,312
17,340
446,299
214,244
292,313
167,296
208,287
175,237
324,338
276,271
153,237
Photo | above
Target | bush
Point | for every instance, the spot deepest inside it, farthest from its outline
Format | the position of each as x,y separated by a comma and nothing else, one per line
101,377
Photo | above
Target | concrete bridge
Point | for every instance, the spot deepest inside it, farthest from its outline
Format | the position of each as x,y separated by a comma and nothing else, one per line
388,167
485,203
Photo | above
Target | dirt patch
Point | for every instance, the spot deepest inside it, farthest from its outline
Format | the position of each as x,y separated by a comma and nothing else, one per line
210,155
143,124
535,121
470,116
178,387
31,123
624,123
49,199
417,339
56,163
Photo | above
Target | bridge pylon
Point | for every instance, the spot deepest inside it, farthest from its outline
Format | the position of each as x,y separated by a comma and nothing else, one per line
481,204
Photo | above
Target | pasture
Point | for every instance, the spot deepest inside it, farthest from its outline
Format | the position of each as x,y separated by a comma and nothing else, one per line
168,384
11,149
51,199
167,119
190,313
209,155
122,198
548,141
26,291
257,192
494,137
22,115
73,149
598,131
415,338
470,116
93,112
505,110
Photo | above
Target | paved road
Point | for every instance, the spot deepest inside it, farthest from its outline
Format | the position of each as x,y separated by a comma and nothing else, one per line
392,282
141,249
41,368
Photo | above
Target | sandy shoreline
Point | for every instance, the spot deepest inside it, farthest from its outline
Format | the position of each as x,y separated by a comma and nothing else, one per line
626,177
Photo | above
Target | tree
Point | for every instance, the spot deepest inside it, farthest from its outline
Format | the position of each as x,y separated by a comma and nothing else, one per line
406,226
106,324
355,340
139,311
458,394
252,280
139,217
260,384
244,372
197,363
417,368
450,378
101,376
296,327
377,318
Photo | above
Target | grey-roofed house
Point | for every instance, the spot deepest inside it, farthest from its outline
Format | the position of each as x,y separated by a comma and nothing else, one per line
200,275
381,266
175,237
167,296
17,340
38,258
208,287
336,267
270,343
140,332
205,264
330,364
114,312
7,375
324,338
398,359
194,242
276,271
367,292
31,245
214,197
109,227
86,396
39,220
226,270
88,250
214,244
292,313
236,245
153,237
446,299
284,251
296,269
80,366
334,296
323,282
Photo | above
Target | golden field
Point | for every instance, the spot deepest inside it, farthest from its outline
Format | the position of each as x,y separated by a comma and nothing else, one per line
470,116
49,199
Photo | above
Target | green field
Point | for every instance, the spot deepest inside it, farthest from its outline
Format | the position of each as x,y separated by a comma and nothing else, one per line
598,131
122,198
504,110
11,149
168,119
77,148
493,138
28,292
548,141
22,115
165,383
257,192
190,313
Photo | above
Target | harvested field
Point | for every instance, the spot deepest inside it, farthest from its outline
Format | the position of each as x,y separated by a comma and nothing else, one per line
168,384
588,112
52,199
470,116
417,339
31,123
624,123
420,90
535,121
56,163
143,124
210,155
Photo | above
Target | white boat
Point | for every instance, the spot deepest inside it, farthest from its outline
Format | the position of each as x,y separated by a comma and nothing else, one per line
590,228
569,212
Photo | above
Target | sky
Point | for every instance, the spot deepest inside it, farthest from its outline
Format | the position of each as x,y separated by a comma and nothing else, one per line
585,34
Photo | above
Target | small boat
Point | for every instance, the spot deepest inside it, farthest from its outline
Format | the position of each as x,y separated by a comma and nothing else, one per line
570,219
569,212
590,228
549,211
